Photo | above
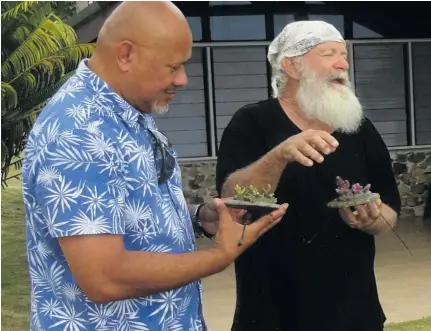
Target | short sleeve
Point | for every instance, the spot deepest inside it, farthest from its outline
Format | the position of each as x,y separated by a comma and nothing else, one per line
380,167
80,186
240,146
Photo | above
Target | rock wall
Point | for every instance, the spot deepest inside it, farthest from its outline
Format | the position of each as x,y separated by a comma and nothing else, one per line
409,168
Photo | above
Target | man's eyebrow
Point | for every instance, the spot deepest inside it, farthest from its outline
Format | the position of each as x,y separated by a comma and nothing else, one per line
179,63
333,50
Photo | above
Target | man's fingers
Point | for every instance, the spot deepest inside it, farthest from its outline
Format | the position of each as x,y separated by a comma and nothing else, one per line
320,145
348,216
329,139
362,213
309,151
222,211
268,220
373,210
299,157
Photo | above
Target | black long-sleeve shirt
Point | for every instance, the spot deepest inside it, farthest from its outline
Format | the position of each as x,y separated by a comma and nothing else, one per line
311,272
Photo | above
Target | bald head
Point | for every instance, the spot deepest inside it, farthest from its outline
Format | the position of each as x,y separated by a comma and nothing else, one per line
143,23
141,51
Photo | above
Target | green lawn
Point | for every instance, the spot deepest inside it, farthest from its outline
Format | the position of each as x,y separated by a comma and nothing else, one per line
14,281
15,289
419,325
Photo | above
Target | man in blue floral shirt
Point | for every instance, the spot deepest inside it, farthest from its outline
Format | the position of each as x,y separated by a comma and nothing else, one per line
110,239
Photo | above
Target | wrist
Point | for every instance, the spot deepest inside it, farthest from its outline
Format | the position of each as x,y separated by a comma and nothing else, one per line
195,214
278,155
198,219
222,258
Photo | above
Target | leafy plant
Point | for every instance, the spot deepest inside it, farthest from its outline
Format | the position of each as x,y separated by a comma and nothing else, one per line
253,194
39,53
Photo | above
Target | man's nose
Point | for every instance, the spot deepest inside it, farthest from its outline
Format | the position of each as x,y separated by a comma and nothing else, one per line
341,64
181,79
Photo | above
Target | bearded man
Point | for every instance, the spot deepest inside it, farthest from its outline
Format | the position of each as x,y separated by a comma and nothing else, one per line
315,271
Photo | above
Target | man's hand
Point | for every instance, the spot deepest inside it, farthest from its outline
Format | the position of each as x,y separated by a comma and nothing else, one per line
230,232
364,217
307,146
209,216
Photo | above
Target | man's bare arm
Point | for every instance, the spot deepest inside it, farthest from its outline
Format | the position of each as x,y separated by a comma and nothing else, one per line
302,148
106,271
269,169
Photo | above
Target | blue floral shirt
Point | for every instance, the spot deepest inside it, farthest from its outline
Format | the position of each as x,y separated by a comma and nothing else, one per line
95,165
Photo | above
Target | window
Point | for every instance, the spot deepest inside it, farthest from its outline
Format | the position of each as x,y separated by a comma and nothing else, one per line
238,27
240,78
421,55
280,21
335,20
185,123
381,86
360,31
226,3
196,27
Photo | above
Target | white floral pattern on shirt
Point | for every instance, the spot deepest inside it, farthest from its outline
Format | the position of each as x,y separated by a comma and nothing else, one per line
90,168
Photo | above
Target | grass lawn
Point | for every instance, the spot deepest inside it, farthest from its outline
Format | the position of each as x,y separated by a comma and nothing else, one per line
14,281
15,289
419,325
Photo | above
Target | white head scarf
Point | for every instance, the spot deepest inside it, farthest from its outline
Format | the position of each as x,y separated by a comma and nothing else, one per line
297,39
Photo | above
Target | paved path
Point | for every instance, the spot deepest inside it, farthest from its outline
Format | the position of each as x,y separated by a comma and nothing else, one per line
404,281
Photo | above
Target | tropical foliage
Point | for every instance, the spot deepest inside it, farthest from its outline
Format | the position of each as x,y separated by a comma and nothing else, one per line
39,53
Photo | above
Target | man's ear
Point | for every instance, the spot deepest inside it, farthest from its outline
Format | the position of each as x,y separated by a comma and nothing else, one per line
125,51
290,68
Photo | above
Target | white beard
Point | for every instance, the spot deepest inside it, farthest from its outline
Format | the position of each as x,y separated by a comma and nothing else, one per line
333,104
159,110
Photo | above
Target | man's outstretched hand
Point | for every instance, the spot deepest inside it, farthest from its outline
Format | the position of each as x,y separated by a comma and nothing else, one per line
307,147
230,232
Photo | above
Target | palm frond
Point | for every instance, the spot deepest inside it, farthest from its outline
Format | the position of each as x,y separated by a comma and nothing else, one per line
40,75
29,106
39,54
9,97
18,29
49,38
72,55
4,153
19,8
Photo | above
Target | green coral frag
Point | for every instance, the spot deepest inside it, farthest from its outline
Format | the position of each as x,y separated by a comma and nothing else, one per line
254,195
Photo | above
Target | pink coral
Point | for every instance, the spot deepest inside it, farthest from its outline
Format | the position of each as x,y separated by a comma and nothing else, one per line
356,188
343,187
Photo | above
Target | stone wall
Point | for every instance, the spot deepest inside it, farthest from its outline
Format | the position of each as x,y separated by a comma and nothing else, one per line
198,181
409,168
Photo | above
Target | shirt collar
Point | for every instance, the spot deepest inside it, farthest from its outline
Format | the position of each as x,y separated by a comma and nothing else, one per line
131,116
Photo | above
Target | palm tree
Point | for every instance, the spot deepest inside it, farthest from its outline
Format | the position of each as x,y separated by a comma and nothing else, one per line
39,53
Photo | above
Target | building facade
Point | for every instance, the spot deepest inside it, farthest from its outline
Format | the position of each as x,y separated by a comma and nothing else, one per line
389,68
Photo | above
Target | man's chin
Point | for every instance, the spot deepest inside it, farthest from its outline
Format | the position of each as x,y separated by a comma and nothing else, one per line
160,109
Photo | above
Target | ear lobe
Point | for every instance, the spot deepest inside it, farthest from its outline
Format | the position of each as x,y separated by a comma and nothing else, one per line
290,68
124,57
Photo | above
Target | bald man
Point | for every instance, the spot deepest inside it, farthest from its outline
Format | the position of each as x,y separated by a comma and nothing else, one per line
110,239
